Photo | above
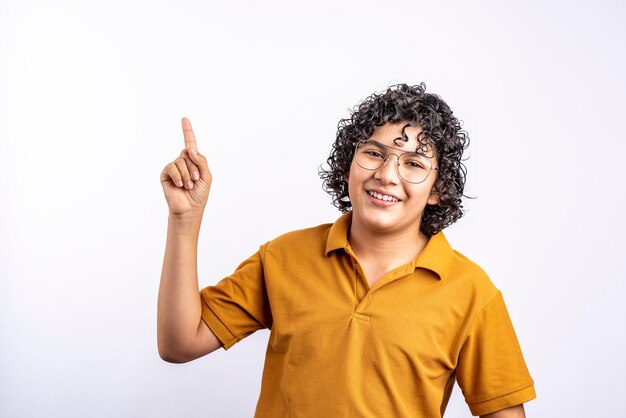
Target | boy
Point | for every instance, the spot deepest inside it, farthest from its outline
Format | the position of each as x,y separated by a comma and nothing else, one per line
372,316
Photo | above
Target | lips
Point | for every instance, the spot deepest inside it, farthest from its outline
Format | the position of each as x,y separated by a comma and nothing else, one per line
383,196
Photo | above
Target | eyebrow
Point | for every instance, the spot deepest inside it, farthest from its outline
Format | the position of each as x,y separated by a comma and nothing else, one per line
397,149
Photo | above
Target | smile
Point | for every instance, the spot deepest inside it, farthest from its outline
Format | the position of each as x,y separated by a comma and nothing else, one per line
384,197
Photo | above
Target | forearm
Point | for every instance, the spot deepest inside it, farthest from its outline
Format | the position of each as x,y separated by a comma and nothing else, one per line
179,305
512,412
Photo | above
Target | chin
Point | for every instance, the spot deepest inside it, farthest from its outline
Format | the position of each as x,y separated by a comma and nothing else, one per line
382,224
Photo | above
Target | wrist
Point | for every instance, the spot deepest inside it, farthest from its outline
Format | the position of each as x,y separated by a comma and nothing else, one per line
185,221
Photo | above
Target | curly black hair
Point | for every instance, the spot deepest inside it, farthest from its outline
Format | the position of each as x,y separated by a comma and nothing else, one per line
440,129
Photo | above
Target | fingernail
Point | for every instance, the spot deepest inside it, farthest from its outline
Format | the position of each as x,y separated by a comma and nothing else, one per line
195,175
193,151
179,183
189,185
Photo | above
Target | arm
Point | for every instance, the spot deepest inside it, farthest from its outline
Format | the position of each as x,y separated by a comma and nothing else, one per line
512,412
181,334
491,369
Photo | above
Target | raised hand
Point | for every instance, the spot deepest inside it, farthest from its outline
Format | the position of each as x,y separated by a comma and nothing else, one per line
186,181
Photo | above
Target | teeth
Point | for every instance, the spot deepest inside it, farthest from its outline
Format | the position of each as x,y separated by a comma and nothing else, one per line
383,197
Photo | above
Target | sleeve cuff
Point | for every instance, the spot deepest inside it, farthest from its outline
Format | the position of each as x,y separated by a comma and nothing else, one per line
217,327
503,402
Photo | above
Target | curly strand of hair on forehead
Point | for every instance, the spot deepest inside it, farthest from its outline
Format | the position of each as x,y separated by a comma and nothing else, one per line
440,130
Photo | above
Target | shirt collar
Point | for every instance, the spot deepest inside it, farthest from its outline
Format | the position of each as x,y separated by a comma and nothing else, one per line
338,234
437,256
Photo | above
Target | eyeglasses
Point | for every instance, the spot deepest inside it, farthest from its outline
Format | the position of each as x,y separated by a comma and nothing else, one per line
412,167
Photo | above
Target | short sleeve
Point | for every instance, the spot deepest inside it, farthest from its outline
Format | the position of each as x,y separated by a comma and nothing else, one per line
491,370
238,305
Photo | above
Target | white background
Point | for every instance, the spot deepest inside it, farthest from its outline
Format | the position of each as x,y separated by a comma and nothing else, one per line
91,96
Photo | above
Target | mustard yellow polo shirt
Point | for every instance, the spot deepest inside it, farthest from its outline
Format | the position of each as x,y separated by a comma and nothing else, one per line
339,348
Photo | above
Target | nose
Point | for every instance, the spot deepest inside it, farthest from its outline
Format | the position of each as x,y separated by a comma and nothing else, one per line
388,173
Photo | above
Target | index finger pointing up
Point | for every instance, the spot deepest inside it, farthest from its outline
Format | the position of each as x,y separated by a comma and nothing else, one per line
190,138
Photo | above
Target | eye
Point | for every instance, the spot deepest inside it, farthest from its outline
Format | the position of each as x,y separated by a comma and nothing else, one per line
374,153
414,163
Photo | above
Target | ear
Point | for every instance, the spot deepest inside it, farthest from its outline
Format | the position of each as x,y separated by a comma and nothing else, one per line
433,198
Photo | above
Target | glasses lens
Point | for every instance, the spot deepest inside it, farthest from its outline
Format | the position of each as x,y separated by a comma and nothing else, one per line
370,155
412,167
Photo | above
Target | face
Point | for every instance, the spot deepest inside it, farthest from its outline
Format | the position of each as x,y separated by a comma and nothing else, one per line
382,202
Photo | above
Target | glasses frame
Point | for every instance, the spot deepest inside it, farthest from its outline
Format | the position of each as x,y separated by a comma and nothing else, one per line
386,160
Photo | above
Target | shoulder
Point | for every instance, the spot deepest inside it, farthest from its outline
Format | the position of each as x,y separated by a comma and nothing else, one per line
463,266
466,274
309,240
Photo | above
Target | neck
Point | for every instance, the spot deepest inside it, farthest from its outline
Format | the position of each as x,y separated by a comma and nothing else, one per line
391,249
